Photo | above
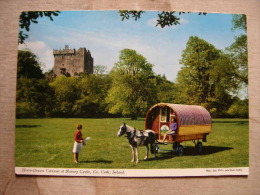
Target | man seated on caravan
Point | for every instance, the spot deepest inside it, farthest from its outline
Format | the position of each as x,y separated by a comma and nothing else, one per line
173,128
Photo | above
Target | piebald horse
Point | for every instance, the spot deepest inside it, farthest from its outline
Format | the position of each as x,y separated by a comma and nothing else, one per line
138,138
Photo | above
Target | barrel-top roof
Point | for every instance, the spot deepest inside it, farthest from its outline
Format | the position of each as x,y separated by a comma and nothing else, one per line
187,114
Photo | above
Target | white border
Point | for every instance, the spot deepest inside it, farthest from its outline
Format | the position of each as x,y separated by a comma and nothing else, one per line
237,171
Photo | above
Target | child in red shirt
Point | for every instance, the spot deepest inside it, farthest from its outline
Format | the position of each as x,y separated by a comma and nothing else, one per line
78,143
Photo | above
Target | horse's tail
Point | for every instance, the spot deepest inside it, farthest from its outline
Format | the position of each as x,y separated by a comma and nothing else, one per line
152,142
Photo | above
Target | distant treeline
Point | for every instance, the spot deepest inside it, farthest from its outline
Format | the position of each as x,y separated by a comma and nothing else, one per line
207,78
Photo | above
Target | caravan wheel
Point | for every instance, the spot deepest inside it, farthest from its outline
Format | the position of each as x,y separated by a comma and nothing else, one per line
175,145
199,147
179,150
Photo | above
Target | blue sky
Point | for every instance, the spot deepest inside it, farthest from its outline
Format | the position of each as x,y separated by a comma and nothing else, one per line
104,34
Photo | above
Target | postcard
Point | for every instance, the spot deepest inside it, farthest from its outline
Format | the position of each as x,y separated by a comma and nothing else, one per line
132,94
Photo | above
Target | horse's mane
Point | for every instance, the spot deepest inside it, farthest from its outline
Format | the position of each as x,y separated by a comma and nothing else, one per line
130,128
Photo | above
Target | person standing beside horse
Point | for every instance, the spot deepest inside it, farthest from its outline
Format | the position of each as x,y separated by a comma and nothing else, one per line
173,128
78,143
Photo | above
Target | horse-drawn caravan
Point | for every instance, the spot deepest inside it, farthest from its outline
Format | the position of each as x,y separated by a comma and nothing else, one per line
193,123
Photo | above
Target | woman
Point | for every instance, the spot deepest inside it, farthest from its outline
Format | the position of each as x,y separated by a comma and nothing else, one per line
173,128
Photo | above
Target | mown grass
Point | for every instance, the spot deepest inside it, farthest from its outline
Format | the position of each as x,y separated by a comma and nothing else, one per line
48,143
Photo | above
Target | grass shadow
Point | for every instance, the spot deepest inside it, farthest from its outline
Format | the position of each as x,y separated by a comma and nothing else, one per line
189,151
239,122
206,150
162,156
97,161
27,126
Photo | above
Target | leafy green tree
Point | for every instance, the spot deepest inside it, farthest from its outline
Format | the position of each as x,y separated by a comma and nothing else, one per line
165,18
133,88
239,109
239,54
28,65
93,91
239,22
66,93
26,18
33,95
33,98
99,69
197,59
206,77
50,75
166,90
238,50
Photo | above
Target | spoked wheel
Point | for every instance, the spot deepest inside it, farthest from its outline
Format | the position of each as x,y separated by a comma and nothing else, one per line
199,147
179,150
175,145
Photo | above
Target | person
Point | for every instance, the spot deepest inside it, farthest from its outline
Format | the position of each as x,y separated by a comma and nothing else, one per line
173,128
78,143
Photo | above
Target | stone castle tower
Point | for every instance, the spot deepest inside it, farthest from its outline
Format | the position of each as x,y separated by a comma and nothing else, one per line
71,62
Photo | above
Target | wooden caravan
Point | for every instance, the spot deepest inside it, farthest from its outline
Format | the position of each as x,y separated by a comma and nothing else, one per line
194,123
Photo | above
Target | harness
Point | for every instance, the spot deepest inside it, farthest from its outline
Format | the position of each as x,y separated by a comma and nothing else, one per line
131,135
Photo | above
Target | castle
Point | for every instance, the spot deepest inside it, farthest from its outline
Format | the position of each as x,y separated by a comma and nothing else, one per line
71,62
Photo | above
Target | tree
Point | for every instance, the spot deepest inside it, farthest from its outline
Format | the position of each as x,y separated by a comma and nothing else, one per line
28,65
66,93
33,92
93,91
206,77
99,69
239,109
239,22
166,90
238,53
133,88
33,98
197,59
238,50
165,18
26,18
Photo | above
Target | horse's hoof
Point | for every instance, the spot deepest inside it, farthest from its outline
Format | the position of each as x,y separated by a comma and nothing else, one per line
145,158
137,162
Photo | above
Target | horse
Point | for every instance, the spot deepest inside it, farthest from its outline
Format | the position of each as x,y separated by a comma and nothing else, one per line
138,138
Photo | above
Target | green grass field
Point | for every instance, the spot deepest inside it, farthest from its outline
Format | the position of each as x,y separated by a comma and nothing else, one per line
49,142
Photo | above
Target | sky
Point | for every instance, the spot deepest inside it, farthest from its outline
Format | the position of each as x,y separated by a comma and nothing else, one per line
105,35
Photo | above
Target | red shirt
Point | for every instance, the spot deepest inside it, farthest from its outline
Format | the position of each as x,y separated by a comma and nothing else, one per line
78,136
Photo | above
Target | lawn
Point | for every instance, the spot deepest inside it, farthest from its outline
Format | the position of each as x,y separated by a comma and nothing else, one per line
48,143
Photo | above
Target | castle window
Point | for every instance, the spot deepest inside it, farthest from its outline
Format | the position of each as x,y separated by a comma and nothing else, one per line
63,71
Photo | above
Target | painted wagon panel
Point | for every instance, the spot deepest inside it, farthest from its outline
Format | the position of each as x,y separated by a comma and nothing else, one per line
194,122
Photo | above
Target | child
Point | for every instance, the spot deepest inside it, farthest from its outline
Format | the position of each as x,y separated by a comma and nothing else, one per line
78,143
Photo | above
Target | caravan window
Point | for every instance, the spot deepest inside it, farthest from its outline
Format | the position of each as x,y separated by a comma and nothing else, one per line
165,115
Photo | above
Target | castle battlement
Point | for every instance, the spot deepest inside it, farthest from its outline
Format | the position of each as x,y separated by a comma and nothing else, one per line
64,51
72,62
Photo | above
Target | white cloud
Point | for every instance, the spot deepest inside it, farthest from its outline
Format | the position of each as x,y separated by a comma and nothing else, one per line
42,51
152,22
183,21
